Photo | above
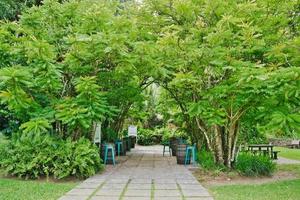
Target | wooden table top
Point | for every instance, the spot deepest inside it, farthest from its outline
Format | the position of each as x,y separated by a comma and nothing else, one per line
260,145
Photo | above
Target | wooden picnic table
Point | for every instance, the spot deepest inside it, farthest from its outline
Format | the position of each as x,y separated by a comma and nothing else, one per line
294,144
262,148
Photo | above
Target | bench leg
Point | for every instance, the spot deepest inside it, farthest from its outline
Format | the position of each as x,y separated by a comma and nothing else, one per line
275,156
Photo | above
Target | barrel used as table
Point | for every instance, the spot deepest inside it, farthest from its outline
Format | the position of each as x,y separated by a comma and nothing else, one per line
123,148
124,145
180,154
173,145
132,141
128,143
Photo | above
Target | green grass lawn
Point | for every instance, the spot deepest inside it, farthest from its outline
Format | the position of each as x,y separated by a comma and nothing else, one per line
11,189
293,168
279,190
283,190
288,153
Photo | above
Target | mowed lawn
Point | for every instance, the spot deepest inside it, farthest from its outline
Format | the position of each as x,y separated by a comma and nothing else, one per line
282,190
279,190
12,189
288,153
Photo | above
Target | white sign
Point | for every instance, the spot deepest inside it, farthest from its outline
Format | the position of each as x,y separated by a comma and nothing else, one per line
132,131
97,137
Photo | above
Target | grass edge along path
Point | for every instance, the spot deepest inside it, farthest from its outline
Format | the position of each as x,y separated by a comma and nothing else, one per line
124,190
180,191
278,190
152,189
96,190
14,189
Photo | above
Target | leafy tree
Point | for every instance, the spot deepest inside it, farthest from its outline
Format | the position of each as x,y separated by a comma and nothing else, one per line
219,60
10,9
221,64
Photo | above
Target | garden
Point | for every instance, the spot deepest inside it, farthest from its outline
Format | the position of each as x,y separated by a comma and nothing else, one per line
221,77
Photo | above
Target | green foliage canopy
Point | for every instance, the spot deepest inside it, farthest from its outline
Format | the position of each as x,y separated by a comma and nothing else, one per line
221,62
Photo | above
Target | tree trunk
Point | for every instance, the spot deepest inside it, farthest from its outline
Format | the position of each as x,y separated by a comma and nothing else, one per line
219,155
232,139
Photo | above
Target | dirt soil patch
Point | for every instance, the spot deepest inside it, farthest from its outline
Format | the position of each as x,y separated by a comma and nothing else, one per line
217,178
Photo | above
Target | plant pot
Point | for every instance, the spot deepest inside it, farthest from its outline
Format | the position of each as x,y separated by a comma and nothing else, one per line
180,154
173,145
123,148
132,141
128,143
124,145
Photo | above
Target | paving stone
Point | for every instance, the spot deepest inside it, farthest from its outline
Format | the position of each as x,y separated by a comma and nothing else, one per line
165,186
164,181
105,198
139,186
141,166
96,181
117,181
136,198
167,193
140,181
192,186
167,198
73,197
194,193
187,181
113,186
88,185
138,193
80,192
109,192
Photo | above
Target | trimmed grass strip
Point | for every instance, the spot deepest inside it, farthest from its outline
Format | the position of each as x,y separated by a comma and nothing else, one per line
124,190
180,190
96,190
152,189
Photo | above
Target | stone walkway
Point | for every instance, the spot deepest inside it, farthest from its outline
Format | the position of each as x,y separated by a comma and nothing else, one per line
142,175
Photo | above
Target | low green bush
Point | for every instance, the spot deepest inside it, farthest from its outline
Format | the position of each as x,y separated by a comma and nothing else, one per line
158,136
44,155
249,164
109,135
206,161
148,137
167,134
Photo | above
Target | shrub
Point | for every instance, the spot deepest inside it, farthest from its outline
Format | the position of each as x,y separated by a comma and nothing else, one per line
148,137
254,165
45,155
167,134
109,135
157,136
206,160
251,135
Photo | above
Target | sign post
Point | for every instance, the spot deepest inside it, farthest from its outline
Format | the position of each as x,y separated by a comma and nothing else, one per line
132,131
97,137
